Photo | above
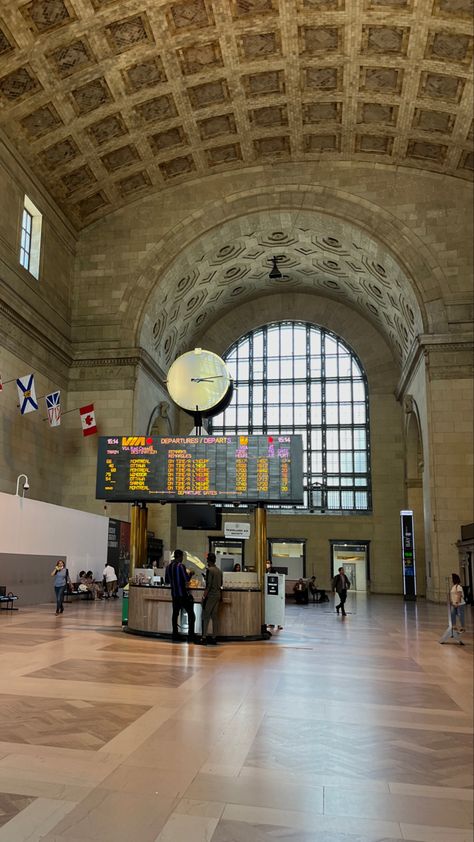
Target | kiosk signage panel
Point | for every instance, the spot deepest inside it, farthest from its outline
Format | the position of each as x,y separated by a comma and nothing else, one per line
238,468
236,530
408,554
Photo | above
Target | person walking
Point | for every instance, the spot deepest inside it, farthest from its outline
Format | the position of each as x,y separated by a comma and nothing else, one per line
211,600
177,577
456,598
341,585
109,577
61,580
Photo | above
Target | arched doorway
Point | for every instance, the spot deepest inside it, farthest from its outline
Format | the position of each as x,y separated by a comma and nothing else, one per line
414,465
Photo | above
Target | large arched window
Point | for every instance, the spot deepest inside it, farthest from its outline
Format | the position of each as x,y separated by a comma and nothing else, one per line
293,377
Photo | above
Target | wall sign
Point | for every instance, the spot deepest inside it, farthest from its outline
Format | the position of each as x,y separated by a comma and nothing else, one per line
237,530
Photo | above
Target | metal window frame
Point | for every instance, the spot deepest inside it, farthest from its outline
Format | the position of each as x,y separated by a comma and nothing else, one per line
310,481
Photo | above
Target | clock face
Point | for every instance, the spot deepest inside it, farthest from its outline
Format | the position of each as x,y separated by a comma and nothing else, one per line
198,381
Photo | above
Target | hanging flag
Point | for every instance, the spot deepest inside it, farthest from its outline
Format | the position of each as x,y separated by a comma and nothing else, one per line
53,405
1,383
26,393
88,420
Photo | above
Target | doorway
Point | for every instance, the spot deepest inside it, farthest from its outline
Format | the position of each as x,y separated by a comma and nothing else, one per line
354,558
228,553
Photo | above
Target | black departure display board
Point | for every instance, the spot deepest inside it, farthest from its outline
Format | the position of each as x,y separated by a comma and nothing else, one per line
219,469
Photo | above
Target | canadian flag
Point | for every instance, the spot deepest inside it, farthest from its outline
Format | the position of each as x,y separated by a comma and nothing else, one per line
89,426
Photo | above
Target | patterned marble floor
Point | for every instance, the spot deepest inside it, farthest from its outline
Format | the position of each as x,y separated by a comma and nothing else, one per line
356,730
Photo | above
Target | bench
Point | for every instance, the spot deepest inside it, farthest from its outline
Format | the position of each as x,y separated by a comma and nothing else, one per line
7,600
75,593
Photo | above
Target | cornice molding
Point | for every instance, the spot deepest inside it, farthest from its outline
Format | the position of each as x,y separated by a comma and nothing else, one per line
425,344
137,357
32,332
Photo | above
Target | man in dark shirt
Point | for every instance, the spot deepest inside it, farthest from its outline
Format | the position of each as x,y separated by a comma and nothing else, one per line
211,599
341,585
177,577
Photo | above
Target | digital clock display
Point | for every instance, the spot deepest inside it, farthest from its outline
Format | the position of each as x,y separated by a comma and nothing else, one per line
219,469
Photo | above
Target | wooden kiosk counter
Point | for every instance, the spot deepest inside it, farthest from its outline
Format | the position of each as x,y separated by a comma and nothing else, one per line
240,613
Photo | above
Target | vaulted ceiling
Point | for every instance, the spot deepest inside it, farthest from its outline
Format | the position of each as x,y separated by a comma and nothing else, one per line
108,100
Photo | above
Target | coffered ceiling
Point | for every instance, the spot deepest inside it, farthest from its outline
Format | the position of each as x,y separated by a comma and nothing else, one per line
109,100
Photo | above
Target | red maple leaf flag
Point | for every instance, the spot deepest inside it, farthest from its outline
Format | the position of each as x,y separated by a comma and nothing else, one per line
89,426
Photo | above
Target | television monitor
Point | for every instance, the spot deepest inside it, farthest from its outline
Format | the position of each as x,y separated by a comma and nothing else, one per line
198,516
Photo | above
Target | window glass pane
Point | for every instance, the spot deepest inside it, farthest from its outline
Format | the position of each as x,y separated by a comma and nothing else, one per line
315,366
257,395
347,464
230,417
332,439
244,350
359,413
331,392
330,345
257,416
315,393
358,390
315,343
258,344
232,366
331,366
300,342
243,416
273,417
360,462
356,372
359,439
333,500
286,393
332,414
286,414
258,369
316,462
273,394
347,499
300,414
345,365
345,413
316,440
300,393
286,367
345,438
243,394
361,500
273,369
345,392
316,413
273,342
299,367
243,370
332,461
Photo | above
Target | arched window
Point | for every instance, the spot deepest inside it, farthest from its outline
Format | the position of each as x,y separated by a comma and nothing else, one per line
294,377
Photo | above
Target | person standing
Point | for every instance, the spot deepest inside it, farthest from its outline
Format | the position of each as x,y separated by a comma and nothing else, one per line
61,579
177,577
341,585
456,598
110,581
211,599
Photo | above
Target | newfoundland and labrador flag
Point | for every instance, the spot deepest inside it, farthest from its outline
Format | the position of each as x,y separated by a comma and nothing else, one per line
89,426
53,405
26,393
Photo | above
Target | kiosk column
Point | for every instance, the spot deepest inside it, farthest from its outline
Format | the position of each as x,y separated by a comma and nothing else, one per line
134,541
261,550
142,538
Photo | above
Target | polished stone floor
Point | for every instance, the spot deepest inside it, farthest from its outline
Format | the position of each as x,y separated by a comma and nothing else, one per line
355,730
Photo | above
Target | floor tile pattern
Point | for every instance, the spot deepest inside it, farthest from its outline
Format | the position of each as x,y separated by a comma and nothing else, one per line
355,730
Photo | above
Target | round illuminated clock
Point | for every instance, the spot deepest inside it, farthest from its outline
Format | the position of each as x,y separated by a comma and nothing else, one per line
200,382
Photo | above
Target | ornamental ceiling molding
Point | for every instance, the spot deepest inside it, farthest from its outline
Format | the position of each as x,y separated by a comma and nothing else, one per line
290,199
111,101
426,345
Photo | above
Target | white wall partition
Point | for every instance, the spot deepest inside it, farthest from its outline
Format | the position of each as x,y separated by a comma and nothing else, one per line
36,528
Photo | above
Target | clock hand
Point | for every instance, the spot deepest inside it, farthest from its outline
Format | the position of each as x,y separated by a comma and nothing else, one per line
204,379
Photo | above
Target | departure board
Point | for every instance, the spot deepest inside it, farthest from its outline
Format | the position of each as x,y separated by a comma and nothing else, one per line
219,469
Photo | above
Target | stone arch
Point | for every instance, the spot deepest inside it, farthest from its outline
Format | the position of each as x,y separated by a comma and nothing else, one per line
291,201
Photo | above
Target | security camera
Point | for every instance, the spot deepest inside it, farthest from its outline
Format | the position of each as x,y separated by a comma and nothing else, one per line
26,486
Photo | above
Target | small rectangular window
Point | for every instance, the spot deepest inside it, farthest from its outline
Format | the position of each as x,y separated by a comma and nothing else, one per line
30,238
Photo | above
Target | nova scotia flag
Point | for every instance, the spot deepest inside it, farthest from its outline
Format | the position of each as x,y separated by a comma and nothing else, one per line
26,393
